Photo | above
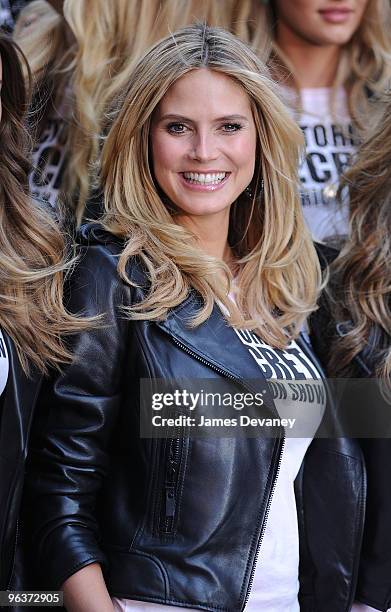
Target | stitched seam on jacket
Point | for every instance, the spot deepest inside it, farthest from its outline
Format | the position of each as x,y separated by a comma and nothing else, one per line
159,565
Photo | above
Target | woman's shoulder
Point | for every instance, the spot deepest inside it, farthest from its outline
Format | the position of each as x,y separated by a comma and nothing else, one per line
99,247
95,235
97,258
96,270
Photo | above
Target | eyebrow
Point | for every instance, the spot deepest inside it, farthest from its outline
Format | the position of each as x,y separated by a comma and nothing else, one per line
182,118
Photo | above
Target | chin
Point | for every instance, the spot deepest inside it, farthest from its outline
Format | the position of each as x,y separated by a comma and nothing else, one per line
201,206
202,211
335,38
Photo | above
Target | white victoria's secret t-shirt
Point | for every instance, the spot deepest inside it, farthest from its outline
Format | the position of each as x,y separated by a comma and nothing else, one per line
299,392
330,143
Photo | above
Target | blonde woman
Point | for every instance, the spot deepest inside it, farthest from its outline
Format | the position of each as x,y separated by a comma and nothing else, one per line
334,59
81,54
352,333
32,317
205,271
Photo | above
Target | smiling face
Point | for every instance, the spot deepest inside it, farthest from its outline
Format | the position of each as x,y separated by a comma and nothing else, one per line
321,22
203,140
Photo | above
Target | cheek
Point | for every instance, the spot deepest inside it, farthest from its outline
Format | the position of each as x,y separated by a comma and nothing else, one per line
362,5
243,153
360,10
298,12
167,153
160,154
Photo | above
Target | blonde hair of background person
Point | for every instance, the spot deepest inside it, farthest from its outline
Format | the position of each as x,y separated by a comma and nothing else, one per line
32,248
361,275
175,14
278,273
107,38
365,61
43,46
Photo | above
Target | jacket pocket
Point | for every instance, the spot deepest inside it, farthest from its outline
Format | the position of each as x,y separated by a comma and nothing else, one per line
171,484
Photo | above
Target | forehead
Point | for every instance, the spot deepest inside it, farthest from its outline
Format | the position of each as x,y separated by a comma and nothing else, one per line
205,92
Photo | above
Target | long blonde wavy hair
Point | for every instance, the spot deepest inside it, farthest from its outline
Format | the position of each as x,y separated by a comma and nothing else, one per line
41,33
33,255
107,39
365,64
279,275
361,275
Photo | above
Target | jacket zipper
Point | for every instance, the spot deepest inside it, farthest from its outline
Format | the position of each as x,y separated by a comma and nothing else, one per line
170,485
263,526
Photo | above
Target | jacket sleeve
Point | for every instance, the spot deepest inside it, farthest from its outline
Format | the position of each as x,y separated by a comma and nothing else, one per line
75,417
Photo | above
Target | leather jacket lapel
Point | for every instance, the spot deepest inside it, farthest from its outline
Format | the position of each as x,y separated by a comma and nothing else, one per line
214,340
216,343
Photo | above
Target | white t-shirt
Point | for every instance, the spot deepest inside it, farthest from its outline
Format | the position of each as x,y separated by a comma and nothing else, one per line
276,579
275,586
330,143
4,364
359,607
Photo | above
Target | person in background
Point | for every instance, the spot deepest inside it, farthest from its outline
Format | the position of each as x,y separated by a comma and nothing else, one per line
204,269
32,316
81,54
333,59
46,41
351,332
9,10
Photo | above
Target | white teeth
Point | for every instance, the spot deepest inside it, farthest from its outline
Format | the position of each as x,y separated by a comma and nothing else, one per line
205,179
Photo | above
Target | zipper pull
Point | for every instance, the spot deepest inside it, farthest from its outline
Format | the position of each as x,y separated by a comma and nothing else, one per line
171,471
170,501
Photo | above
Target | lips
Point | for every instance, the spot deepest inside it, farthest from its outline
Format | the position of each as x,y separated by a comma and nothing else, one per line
336,15
205,182
204,178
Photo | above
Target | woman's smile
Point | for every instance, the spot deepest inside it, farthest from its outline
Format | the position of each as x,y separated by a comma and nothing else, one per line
210,180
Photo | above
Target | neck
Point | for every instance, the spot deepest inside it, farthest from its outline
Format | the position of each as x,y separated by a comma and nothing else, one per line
313,65
211,232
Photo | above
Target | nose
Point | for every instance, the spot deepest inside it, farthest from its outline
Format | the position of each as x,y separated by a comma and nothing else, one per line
204,146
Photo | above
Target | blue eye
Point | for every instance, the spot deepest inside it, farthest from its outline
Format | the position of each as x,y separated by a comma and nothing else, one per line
232,127
176,128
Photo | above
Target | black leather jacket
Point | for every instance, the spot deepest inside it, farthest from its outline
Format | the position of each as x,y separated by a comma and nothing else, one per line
374,577
16,411
96,489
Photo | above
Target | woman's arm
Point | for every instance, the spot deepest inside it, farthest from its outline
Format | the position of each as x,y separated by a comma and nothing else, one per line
86,591
76,415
